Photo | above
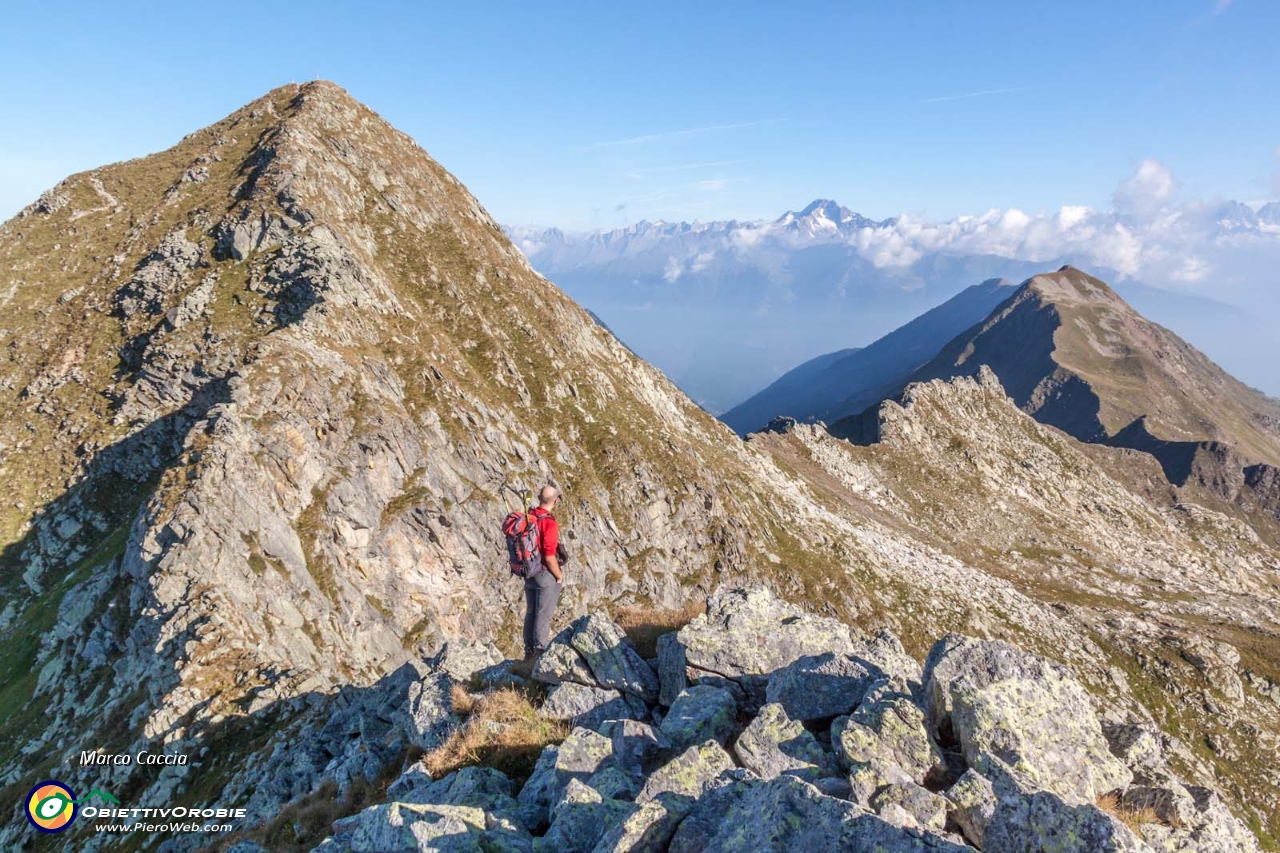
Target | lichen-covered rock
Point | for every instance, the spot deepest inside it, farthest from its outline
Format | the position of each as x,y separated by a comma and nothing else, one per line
1042,821
887,731
819,686
752,632
427,716
786,814
636,745
479,787
580,818
707,813
1045,729
689,774
979,662
613,782
463,661
773,744
649,829
589,707
613,661
409,828
672,677
973,804
927,809
1192,819
886,652
561,662
580,756
700,713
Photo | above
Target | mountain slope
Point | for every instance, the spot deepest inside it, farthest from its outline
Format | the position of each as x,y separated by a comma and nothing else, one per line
838,384
1072,353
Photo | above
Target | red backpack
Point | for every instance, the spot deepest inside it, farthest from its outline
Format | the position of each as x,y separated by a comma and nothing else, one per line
524,543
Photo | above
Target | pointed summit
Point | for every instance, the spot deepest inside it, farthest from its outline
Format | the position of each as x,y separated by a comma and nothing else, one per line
1071,352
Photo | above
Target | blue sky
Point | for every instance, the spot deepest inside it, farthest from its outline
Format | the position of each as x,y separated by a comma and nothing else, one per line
595,115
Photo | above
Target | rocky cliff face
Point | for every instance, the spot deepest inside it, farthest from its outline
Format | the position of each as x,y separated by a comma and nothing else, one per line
266,396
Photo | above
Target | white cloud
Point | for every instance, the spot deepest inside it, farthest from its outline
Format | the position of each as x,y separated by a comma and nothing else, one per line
1150,187
673,270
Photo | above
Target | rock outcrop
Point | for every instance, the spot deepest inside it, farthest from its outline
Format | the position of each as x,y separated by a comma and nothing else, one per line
1010,781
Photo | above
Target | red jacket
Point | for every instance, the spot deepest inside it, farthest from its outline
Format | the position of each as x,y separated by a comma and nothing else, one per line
548,532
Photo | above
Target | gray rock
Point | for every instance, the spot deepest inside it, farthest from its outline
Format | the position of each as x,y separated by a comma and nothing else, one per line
614,783
886,733
589,707
773,744
979,662
818,686
463,661
973,804
689,774
560,662
580,756
1044,728
580,819
427,717
397,827
672,677
700,713
636,745
612,659
751,632
1042,821
927,809
786,814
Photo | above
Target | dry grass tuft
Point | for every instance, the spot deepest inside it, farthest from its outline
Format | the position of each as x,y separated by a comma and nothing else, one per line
502,730
464,701
1134,818
643,625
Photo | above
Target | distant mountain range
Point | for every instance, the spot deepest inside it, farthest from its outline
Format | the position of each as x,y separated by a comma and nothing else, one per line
725,308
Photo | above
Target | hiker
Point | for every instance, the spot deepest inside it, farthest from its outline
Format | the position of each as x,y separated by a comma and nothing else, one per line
542,588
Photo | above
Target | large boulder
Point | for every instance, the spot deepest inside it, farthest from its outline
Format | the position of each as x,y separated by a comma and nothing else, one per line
612,659
700,713
707,813
886,652
786,814
410,828
886,734
560,662
1042,821
689,774
636,746
580,756
1044,728
751,633
979,662
773,744
590,707
580,818
922,807
820,686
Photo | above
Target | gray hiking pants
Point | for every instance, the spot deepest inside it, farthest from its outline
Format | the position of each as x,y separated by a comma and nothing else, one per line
541,592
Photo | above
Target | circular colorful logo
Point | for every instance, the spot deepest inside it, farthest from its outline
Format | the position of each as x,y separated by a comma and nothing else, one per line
51,806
